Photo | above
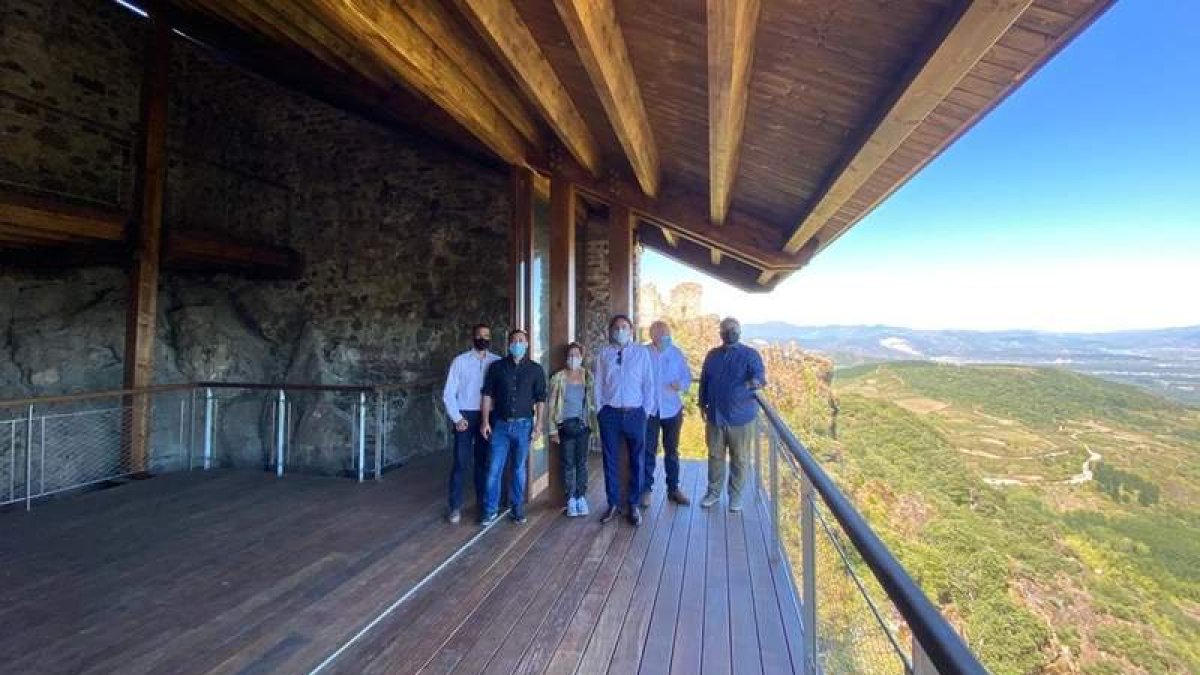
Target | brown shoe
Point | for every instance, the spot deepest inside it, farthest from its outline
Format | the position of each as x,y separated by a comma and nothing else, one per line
645,503
679,498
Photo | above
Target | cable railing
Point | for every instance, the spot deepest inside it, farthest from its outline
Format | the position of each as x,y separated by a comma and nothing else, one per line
861,611
56,444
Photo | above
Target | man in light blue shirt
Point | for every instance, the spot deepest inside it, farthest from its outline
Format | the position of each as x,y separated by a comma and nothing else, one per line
625,393
672,377
462,400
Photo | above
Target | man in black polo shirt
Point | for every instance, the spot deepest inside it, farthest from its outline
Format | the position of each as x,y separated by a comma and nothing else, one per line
514,388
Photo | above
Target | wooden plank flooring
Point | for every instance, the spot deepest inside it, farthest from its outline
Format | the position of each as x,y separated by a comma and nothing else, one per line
690,591
226,572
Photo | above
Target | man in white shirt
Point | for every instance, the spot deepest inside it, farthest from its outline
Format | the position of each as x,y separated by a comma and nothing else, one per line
625,393
461,397
672,377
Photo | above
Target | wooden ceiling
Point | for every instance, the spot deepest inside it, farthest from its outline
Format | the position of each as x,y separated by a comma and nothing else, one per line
747,134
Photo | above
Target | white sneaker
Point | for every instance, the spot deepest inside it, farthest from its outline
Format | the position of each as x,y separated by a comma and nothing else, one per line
572,507
709,500
581,506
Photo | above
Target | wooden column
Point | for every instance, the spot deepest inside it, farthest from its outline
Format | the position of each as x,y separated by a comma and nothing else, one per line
520,250
620,260
146,238
562,301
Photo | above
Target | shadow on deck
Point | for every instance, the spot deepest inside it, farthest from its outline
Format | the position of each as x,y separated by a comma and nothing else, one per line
231,572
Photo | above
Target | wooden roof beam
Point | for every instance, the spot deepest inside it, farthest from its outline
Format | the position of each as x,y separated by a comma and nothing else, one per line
669,235
976,30
731,28
499,24
435,19
414,57
597,37
40,219
685,214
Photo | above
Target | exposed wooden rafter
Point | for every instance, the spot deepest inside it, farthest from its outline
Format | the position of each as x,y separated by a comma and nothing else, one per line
685,213
434,18
731,29
53,233
670,236
596,34
499,24
414,57
979,26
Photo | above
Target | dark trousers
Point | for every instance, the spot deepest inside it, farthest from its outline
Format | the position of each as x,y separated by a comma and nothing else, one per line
470,449
574,450
670,441
628,425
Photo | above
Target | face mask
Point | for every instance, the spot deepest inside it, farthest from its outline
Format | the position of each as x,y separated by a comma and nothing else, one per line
482,343
621,336
518,349
574,362
664,341
730,337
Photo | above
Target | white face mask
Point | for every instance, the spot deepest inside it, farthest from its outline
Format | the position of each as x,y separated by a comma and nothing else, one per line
574,362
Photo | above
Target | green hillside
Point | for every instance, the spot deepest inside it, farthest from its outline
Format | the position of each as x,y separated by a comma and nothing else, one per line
1054,516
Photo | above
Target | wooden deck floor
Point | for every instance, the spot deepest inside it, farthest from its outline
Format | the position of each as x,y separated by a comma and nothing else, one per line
243,573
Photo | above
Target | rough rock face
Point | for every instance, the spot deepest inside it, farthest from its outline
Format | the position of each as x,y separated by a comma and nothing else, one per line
404,243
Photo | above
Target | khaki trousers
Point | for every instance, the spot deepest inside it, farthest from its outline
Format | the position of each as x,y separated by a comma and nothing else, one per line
737,442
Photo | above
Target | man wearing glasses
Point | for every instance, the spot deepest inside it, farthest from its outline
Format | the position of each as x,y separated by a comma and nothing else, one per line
624,392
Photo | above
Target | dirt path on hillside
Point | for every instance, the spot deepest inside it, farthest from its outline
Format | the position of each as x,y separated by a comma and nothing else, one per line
1086,472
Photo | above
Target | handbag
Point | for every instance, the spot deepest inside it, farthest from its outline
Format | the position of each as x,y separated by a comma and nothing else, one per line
572,428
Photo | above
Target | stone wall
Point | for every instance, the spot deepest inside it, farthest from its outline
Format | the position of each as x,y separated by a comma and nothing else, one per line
404,244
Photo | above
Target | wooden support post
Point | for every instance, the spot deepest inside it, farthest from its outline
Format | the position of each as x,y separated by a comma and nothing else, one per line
146,239
520,248
562,301
620,259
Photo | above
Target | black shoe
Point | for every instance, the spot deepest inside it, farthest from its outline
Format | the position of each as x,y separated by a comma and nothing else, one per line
635,517
609,514
518,518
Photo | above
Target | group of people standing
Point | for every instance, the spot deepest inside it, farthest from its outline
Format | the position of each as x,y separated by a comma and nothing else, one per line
633,398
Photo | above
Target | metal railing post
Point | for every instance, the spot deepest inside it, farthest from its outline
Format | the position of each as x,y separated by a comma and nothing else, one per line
280,427
755,459
379,410
191,441
362,433
182,422
29,460
209,413
809,574
773,449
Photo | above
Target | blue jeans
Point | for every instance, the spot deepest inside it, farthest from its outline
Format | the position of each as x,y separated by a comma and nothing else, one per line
509,437
669,428
470,450
629,426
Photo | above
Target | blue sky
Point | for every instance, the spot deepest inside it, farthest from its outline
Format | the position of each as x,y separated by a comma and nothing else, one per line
1075,205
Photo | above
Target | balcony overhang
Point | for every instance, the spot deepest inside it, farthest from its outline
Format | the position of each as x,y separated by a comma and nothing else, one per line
759,131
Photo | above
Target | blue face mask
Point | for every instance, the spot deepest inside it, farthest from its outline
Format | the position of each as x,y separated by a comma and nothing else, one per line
665,341
518,349
621,336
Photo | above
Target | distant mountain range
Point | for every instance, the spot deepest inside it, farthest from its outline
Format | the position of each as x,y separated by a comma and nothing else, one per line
1165,361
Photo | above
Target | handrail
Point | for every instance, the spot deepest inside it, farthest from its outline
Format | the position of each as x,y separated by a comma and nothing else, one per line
941,643
90,395
183,386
